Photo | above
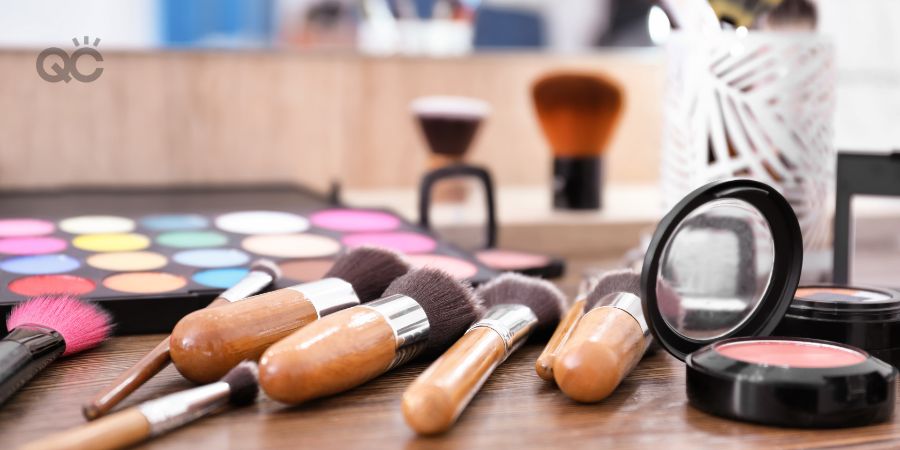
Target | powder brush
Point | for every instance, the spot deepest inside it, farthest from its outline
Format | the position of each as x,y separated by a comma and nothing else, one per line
422,312
239,387
208,343
607,342
516,305
262,273
43,329
578,113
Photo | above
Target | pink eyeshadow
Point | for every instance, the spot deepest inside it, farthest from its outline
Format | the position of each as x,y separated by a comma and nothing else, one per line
458,268
25,227
31,245
510,260
400,241
354,220
798,354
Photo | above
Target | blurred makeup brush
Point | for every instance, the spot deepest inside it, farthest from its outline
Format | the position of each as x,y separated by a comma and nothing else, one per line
607,342
544,364
790,15
422,312
208,343
578,113
516,305
41,330
263,273
239,387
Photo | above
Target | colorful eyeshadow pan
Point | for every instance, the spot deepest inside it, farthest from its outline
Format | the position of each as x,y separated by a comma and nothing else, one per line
31,245
96,225
40,264
212,258
51,284
306,269
114,242
458,268
789,353
167,222
127,261
351,220
192,239
25,227
262,222
292,245
220,278
511,260
401,241
144,282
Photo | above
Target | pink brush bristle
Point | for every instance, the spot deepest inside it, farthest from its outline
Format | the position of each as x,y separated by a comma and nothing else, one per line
82,325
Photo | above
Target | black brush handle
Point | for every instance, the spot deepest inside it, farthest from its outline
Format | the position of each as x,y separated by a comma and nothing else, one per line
23,353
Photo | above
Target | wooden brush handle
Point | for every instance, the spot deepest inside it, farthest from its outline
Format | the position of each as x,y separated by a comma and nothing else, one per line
116,431
440,394
206,344
128,381
544,364
330,355
605,345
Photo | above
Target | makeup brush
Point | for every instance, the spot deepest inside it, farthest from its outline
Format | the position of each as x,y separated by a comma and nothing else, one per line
544,364
790,15
422,312
207,343
239,387
43,329
263,273
578,113
516,305
607,342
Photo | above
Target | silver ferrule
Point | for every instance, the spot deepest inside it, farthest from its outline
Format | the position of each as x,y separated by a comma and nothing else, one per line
173,411
328,295
252,283
410,324
512,322
631,304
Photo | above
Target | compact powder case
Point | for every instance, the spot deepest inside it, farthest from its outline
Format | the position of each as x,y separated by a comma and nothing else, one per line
861,316
719,276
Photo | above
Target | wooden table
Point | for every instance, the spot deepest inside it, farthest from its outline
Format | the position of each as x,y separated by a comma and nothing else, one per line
515,409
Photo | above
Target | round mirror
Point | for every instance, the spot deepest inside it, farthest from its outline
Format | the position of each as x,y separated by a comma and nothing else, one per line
715,269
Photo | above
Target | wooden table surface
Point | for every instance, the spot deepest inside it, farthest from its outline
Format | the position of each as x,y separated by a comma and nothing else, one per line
515,409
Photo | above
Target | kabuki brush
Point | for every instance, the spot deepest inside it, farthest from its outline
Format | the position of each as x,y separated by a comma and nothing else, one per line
238,388
422,312
208,343
43,329
516,306
262,273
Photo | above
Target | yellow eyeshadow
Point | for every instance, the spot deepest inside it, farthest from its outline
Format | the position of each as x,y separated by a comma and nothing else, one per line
113,242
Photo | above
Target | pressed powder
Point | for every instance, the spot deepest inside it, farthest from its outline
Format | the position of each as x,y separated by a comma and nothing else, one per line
791,353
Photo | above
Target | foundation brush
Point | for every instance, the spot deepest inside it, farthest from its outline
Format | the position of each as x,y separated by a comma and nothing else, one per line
208,343
43,329
516,306
239,387
262,274
422,312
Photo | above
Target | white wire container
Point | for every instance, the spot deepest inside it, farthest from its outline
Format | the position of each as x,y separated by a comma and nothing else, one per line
761,106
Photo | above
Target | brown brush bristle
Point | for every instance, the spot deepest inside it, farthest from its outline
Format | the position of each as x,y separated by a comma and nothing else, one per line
369,270
612,282
578,112
243,383
541,296
451,305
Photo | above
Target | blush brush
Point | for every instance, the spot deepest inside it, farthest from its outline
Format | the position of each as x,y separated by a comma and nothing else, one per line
262,273
43,329
422,312
516,306
208,343
239,387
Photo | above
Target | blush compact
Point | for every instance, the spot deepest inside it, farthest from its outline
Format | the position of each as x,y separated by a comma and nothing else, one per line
864,317
719,278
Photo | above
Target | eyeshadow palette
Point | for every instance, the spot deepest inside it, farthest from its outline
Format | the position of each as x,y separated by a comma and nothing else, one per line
152,256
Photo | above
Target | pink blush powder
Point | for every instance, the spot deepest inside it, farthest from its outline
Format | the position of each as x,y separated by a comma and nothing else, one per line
31,245
799,354
401,241
354,220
